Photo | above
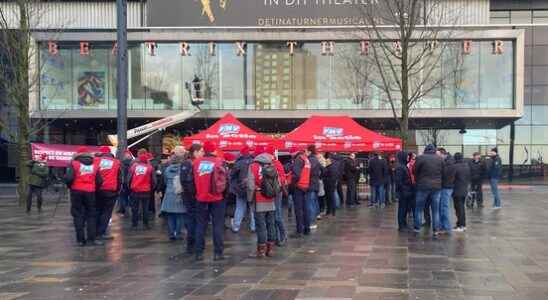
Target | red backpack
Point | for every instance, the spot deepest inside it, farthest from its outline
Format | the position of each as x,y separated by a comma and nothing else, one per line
219,179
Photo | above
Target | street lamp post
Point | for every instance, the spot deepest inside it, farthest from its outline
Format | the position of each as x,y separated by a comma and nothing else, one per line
122,75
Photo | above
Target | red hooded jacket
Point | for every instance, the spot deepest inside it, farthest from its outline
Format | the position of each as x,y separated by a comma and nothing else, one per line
202,169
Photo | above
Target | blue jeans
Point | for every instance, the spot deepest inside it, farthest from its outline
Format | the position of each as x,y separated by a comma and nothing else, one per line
377,194
215,210
123,202
337,198
280,227
174,224
266,230
419,207
190,223
445,209
494,182
312,206
241,208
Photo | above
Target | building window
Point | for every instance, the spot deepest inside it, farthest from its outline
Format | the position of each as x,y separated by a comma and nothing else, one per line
540,16
500,17
521,17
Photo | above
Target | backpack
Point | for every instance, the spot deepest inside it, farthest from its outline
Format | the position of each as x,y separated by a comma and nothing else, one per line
219,178
270,185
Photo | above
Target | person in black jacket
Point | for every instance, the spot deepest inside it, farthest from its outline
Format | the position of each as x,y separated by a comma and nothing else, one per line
123,198
460,190
316,171
338,171
404,188
378,173
351,173
494,172
477,173
330,184
428,173
238,179
189,195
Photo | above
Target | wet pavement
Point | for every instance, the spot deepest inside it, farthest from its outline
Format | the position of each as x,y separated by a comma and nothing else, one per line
358,255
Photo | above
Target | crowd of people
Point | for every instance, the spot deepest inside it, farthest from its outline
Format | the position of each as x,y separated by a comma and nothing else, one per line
196,184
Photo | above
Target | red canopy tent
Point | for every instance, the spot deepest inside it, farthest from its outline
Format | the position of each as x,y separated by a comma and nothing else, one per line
338,134
230,135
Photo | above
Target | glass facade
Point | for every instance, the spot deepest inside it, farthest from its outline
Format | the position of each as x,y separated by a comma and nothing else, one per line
267,77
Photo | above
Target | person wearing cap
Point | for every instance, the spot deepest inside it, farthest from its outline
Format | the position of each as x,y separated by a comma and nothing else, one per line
494,171
428,173
477,173
281,235
83,179
238,179
141,181
111,172
210,177
123,199
39,172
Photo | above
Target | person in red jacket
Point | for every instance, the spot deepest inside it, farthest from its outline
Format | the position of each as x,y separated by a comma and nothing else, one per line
281,236
111,172
262,201
83,178
209,175
300,180
141,181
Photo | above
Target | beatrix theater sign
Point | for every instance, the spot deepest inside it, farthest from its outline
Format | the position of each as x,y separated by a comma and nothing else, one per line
256,13
327,48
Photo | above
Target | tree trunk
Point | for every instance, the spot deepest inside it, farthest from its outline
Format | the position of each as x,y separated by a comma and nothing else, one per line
404,129
21,94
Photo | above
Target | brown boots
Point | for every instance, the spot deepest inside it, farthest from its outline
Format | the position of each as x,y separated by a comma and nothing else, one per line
269,249
263,250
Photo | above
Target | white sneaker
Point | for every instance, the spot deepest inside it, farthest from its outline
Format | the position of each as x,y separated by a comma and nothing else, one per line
315,226
463,228
459,229
496,207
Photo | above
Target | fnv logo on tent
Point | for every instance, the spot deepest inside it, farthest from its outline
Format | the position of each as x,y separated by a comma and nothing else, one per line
229,128
332,131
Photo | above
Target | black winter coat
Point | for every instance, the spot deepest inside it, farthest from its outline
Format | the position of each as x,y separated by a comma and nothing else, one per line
238,176
462,179
316,170
448,177
378,171
402,179
477,171
428,171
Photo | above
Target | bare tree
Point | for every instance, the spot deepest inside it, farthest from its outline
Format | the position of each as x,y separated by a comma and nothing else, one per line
434,136
18,79
405,41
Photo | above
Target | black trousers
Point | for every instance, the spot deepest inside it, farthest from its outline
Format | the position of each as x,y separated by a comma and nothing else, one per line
330,200
139,202
477,187
322,202
190,219
460,211
34,190
351,192
301,212
82,209
105,205
215,210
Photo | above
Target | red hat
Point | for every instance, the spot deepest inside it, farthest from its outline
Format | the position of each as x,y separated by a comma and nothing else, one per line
149,156
104,149
82,149
144,157
43,156
259,150
229,157
210,146
270,149
245,150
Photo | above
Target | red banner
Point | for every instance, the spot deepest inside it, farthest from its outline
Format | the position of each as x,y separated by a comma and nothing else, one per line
57,155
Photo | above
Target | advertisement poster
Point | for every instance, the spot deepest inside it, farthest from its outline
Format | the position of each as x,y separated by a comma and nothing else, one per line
58,155
91,88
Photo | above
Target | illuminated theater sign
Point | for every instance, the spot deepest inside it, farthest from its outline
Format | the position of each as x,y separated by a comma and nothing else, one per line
256,13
